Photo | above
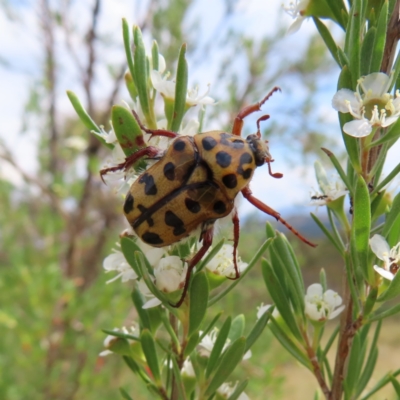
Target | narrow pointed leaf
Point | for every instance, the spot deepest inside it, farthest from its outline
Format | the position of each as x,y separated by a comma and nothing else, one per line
125,394
258,329
237,328
180,90
380,39
327,38
239,390
128,248
229,362
353,45
199,290
218,346
392,291
354,369
128,50
150,353
361,227
327,233
384,312
366,53
192,343
392,217
387,179
178,379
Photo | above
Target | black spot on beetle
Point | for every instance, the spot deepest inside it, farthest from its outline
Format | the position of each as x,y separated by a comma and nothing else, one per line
151,238
223,159
179,145
171,219
169,171
246,158
237,144
230,181
150,187
208,143
247,173
227,139
128,205
219,207
192,205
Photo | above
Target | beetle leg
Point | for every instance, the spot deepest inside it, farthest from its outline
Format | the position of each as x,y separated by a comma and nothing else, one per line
268,210
149,151
207,237
244,112
154,132
236,233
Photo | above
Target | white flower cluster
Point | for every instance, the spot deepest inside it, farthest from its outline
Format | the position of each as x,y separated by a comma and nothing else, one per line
389,256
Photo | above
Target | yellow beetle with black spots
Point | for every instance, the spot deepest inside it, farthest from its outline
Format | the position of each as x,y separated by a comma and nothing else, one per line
194,183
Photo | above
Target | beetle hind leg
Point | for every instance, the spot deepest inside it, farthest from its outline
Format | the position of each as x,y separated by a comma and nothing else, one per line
207,238
154,132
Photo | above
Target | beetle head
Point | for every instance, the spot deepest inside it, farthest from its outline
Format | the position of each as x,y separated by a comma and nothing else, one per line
261,152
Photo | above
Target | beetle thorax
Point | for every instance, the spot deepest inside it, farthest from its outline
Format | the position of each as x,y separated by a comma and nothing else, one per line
260,149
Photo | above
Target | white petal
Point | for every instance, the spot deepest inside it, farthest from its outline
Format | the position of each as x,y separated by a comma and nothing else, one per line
154,255
161,63
379,246
296,25
154,302
332,298
377,83
247,355
312,311
314,290
336,312
191,128
340,99
358,128
390,121
262,310
383,272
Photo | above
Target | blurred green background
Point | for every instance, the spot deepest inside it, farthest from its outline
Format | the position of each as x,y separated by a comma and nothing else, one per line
59,221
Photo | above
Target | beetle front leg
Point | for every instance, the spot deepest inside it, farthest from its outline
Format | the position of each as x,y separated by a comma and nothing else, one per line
243,113
268,210
149,151
154,132
207,237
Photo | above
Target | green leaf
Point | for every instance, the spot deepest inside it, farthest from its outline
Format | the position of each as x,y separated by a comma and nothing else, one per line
288,344
141,76
128,248
339,170
154,55
327,38
361,227
389,177
130,85
392,291
258,329
391,136
396,386
84,116
150,353
366,53
239,390
384,312
339,11
127,130
392,217
331,238
280,299
125,394
237,327
178,379
380,39
199,291
121,335
135,368
231,358
128,50
211,324
354,369
381,383
218,347
193,341
180,90
138,301
353,37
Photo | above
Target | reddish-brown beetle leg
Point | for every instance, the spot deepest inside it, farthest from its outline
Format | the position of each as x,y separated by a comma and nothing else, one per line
154,132
246,111
207,237
236,234
268,210
150,152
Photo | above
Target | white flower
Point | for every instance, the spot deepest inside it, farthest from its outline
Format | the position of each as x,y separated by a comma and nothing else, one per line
322,306
332,189
193,98
170,274
117,262
187,368
390,257
108,137
296,11
207,343
110,338
167,89
371,105
226,389
222,262
152,300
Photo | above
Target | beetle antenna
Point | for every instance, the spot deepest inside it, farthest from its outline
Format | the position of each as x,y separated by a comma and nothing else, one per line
276,175
262,118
